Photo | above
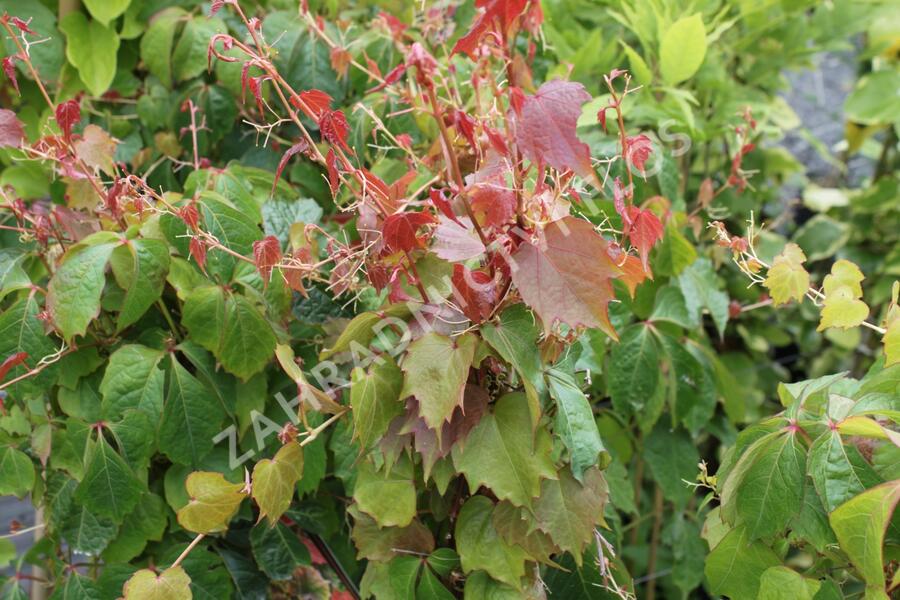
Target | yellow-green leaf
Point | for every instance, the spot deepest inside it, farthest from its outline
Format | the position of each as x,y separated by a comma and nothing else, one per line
274,481
213,502
860,525
682,49
787,279
171,584
892,344
842,309
844,273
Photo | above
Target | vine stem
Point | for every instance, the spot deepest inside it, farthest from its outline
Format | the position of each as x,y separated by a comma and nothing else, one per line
314,433
187,550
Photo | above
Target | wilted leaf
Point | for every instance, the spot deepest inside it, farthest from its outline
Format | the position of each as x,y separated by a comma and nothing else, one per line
97,149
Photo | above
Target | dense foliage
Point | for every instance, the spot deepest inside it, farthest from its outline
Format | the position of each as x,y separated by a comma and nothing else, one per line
337,300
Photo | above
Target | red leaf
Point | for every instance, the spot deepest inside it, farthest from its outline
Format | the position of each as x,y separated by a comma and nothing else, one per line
14,360
502,12
301,146
11,130
400,230
567,278
190,216
496,205
255,84
545,131
68,114
312,102
456,241
215,7
9,69
475,292
334,128
266,254
392,77
497,141
334,179
637,150
442,204
23,25
644,231
198,251
601,117
396,26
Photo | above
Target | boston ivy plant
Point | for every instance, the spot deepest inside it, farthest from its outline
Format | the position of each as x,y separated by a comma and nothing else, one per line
383,306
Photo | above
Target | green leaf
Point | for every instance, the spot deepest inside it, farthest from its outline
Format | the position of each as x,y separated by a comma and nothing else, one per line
189,58
480,586
87,532
278,550
735,566
585,583
503,454
839,472
692,385
16,472
633,375
568,510
436,369
91,48
148,521
301,59
383,543
135,435
480,547
873,102
77,587
171,584
140,268
274,480
375,398
514,336
674,252
782,583
389,497
642,73
109,488
227,324
157,42
682,49
73,296
821,237
672,458
575,423
765,488
106,10
191,417
21,330
431,587
212,503
133,380
699,285
860,525
12,276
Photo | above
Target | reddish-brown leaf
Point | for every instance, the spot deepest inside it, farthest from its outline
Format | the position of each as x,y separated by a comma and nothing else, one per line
442,203
496,12
456,240
334,128
637,150
266,254
567,277
198,251
14,360
11,130
9,69
633,273
494,205
68,114
190,216
312,102
475,293
545,131
400,231
644,230
301,146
